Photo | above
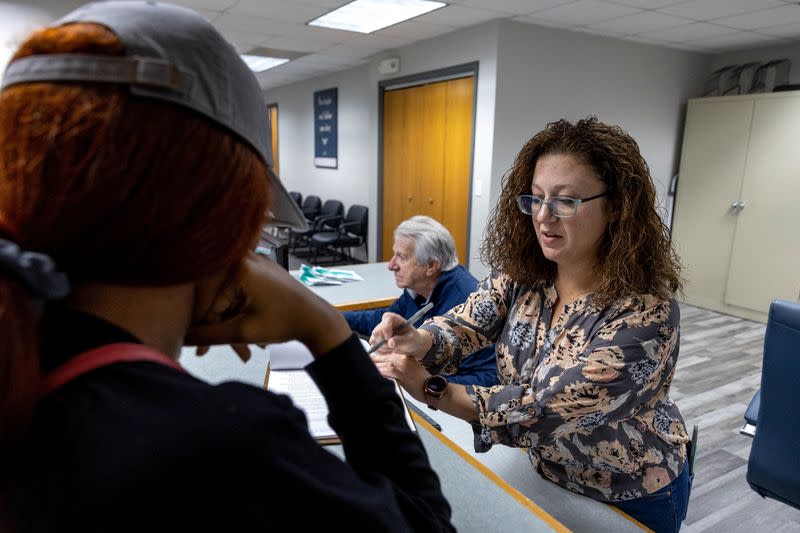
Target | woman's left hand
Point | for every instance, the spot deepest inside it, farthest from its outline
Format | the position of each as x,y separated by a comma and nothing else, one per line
408,372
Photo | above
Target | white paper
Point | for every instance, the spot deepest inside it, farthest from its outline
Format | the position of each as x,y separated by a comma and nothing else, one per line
292,355
299,386
287,376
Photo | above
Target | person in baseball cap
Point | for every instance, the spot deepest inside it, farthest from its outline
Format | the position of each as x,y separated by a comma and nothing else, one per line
135,179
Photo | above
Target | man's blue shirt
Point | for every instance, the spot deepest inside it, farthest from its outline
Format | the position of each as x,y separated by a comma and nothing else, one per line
453,287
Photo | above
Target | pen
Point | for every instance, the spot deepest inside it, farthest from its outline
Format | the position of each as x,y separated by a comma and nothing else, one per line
416,316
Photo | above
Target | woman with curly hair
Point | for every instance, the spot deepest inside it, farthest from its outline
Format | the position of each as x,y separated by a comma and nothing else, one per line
580,304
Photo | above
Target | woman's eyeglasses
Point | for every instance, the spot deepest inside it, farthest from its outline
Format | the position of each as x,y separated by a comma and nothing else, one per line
559,206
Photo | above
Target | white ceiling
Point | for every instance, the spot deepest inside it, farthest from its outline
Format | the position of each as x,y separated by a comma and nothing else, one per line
708,26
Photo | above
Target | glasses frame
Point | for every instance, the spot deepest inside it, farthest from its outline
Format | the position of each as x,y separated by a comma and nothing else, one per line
548,202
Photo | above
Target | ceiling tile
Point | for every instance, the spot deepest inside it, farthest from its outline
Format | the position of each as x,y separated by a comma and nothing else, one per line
279,10
688,32
584,12
533,19
354,52
212,5
790,31
210,16
788,14
640,23
298,44
244,41
459,16
646,39
253,24
330,4
712,9
416,30
742,39
379,41
515,7
648,4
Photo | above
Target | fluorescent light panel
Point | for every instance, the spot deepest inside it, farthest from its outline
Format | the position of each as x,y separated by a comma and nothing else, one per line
367,16
262,63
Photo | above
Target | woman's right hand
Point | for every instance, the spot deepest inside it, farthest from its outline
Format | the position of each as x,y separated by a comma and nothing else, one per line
262,303
405,340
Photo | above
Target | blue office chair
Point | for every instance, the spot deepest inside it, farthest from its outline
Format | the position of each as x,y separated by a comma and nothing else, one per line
773,470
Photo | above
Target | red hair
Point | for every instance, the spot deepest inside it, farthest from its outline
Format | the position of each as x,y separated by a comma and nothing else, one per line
116,188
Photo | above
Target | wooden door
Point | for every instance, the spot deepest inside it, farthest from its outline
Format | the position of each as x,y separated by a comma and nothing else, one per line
272,114
427,144
711,169
765,261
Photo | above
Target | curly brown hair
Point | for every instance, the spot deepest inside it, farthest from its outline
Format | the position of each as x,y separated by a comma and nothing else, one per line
636,255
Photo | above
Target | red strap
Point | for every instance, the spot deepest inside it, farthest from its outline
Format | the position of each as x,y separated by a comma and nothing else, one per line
100,357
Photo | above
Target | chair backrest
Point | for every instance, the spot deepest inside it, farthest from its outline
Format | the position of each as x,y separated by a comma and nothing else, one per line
331,208
773,469
297,197
311,206
359,214
329,216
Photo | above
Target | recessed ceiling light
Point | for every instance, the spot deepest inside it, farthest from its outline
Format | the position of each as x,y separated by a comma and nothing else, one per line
262,63
367,16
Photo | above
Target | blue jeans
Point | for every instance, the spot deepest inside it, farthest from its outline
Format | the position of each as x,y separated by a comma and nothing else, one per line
664,510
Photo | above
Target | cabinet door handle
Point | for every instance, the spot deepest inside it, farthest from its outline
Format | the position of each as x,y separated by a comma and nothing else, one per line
735,205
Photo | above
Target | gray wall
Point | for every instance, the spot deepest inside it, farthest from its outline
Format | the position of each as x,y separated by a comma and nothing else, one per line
356,179
528,76
351,182
545,74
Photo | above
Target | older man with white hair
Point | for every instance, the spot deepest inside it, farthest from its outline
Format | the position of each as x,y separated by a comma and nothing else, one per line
425,265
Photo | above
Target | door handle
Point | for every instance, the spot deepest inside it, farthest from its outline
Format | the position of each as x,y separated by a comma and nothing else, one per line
737,206
430,201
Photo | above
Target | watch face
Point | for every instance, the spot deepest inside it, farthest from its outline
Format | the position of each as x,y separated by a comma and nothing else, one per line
437,384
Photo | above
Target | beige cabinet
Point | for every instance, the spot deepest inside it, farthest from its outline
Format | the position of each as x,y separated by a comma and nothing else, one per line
737,210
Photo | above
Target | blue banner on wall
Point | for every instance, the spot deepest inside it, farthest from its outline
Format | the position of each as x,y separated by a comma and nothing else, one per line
325,128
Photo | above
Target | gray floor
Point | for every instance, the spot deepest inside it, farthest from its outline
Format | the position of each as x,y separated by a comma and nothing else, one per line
718,371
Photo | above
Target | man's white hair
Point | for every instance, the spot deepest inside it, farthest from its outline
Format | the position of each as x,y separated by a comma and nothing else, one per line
432,241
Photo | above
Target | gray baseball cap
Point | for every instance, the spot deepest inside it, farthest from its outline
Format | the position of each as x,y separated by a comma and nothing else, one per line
173,55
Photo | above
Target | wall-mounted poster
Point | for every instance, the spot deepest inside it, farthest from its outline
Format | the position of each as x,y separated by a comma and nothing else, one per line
325,128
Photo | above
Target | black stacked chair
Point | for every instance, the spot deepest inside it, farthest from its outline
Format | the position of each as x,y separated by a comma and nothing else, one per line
310,209
329,217
350,233
311,206
297,197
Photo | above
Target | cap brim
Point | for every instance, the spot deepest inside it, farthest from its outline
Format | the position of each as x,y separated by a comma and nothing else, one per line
284,211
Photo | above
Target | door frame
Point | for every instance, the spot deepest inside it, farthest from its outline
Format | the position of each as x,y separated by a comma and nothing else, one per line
463,70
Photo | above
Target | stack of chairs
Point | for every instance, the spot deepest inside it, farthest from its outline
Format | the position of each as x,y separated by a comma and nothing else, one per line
351,232
331,235
326,218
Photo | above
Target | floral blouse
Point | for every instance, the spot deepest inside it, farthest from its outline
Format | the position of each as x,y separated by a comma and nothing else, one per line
588,397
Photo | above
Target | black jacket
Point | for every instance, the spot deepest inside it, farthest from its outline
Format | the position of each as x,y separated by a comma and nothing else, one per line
143,447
